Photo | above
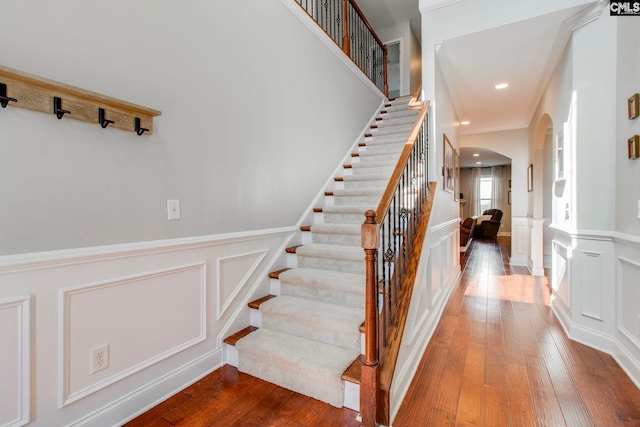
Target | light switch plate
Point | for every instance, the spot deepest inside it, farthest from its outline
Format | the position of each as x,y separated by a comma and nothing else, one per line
173,209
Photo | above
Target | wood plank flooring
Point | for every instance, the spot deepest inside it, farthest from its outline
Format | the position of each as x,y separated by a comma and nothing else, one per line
498,358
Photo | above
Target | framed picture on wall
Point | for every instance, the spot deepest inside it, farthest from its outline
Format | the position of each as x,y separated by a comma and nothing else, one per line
633,145
456,175
448,178
530,178
633,106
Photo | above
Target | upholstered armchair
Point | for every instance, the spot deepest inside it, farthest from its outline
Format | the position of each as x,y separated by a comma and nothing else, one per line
467,227
489,223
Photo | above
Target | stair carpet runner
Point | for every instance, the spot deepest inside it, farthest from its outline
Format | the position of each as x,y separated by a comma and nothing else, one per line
310,333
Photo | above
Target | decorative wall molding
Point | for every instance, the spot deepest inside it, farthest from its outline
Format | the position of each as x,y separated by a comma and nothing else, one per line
153,393
21,382
73,381
230,285
593,284
51,259
438,281
561,279
626,265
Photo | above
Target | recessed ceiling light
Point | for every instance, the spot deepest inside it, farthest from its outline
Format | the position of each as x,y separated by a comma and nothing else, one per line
502,85
478,163
476,155
465,122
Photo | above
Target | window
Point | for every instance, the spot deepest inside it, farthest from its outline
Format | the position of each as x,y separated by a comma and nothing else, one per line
486,193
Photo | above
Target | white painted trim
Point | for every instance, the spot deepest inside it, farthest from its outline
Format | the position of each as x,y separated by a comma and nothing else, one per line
157,391
65,396
223,306
627,334
413,361
23,304
445,225
629,364
600,281
51,259
428,5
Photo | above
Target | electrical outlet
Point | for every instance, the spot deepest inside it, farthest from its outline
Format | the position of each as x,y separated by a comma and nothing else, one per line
173,209
99,358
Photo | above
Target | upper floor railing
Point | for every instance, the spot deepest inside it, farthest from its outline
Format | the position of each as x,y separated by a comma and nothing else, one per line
392,238
345,23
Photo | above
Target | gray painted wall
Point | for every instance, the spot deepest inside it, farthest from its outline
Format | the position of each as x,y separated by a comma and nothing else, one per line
256,114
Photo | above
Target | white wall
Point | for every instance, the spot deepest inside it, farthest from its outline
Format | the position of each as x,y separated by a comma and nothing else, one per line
627,171
247,95
595,272
410,55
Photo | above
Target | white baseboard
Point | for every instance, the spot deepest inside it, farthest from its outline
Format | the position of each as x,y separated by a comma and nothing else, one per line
141,400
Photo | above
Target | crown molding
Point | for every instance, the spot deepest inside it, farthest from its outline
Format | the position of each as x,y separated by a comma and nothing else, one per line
428,5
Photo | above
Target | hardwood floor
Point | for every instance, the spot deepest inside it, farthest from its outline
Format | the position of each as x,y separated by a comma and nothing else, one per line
498,358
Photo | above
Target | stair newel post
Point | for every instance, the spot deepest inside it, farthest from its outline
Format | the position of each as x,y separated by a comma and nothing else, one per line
370,372
346,41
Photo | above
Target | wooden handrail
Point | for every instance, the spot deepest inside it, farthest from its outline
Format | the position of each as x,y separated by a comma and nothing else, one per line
385,201
366,22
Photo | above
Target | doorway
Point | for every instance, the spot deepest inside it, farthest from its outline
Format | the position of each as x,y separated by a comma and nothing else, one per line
394,74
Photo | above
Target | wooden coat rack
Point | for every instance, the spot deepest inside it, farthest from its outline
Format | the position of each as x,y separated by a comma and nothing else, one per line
19,89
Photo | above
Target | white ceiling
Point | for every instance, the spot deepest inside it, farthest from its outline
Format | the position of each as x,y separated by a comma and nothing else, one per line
524,54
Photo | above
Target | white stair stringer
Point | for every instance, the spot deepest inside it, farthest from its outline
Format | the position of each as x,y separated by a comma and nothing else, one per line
310,332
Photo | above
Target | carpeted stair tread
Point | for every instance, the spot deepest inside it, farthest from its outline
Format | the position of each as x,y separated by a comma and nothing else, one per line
337,233
337,214
337,228
351,253
339,257
301,317
364,177
305,366
336,287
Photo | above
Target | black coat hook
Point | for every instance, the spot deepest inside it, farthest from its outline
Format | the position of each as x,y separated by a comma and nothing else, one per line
57,108
103,122
4,99
140,130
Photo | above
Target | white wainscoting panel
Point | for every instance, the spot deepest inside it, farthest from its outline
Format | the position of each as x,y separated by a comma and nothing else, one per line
143,318
15,356
438,276
629,300
592,284
233,274
560,273
520,234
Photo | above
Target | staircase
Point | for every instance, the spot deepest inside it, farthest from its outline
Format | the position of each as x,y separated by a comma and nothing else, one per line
306,334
